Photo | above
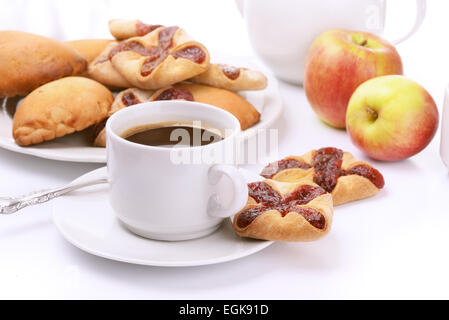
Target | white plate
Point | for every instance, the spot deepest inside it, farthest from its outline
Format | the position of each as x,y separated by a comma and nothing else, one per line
76,147
86,220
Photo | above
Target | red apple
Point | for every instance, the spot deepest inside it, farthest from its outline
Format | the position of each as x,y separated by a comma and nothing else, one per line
337,63
391,118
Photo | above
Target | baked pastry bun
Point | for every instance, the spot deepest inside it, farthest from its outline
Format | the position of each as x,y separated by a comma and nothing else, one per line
60,108
101,70
227,100
337,172
125,29
279,211
163,57
28,61
90,49
232,78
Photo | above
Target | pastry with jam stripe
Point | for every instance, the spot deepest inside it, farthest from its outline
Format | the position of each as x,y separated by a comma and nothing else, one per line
125,29
280,211
337,172
162,58
101,70
232,78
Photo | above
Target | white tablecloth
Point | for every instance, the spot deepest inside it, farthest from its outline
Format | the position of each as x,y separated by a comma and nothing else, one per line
390,246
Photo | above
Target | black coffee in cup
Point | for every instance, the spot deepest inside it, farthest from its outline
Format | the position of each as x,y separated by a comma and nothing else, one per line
170,134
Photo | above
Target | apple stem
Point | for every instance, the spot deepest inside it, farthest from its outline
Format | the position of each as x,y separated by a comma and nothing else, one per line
359,40
372,114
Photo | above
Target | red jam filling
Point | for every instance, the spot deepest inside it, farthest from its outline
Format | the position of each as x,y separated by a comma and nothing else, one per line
175,94
263,193
130,99
192,53
304,195
370,173
166,37
272,169
327,164
272,200
128,46
229,71
157,54
143,29
160,53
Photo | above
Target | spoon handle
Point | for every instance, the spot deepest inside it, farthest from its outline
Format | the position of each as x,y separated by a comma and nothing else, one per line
13,205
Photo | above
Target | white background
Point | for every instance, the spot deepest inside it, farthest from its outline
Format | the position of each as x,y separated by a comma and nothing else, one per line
391,246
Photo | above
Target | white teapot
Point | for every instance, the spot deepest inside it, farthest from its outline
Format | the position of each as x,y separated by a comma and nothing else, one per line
281,31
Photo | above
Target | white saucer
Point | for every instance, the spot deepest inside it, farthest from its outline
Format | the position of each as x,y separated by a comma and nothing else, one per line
77,147
86,220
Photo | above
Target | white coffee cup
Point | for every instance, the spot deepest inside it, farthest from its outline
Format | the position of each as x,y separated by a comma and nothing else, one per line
157,197
282,31
444,147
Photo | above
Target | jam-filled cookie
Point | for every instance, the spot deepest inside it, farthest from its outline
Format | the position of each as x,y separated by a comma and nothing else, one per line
101,70
280,211
60,108
125,29
232,78
337,172
162,58
28,61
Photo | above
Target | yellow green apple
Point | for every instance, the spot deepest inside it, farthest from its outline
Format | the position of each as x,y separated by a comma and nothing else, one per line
337,63
391,118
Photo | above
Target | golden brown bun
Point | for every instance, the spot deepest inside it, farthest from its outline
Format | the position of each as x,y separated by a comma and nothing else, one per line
226,100
90,48
101,70
241,78
28,61
170,71
60,108
349,188
271,225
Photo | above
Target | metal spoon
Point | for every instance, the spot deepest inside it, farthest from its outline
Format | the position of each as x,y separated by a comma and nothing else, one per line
13,205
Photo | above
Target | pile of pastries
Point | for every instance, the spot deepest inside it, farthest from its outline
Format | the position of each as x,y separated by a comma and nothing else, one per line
69,86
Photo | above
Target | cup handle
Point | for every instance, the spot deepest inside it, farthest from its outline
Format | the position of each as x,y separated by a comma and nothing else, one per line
240,187
421,8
